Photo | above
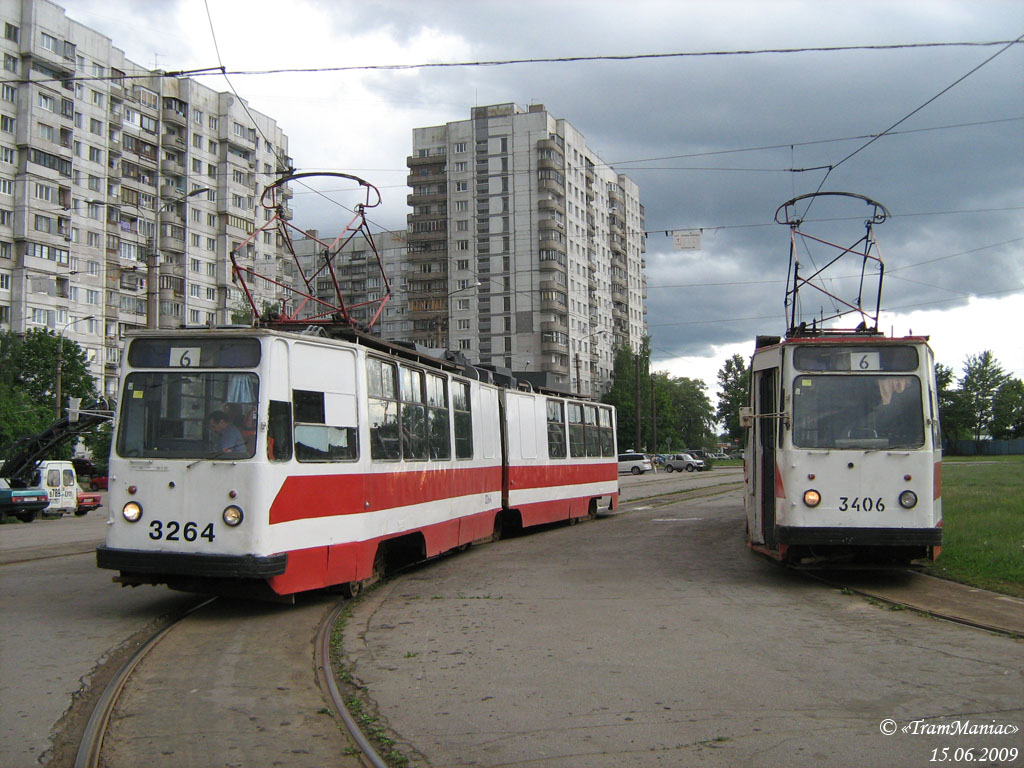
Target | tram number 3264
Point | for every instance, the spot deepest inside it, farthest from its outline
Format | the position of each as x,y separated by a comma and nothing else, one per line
175,531
861,504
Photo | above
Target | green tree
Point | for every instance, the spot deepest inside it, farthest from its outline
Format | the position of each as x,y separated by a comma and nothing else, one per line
1008,411
623,394
682,414
983,376
954,416
97,442
733,387
28,377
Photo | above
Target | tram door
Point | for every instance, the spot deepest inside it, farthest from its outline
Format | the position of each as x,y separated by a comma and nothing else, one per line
766,438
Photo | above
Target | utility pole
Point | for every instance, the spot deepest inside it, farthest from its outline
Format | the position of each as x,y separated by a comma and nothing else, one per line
636,400
653,447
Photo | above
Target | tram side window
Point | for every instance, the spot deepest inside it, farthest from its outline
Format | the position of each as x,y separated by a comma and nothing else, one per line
314,439
607,435
437,417
414,416
591,435
382,389
463,420
556,429
577,435
279,431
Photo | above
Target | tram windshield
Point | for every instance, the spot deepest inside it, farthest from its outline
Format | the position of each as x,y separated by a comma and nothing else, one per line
188,415
857,412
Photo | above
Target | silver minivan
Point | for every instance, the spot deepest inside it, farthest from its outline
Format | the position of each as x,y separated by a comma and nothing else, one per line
635,463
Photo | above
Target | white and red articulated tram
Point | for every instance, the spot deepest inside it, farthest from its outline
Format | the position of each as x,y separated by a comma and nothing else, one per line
249,461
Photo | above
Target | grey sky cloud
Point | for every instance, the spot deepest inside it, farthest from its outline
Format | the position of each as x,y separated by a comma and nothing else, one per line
952,175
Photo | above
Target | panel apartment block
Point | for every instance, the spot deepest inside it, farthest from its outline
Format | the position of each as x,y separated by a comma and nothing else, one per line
526,251
122,191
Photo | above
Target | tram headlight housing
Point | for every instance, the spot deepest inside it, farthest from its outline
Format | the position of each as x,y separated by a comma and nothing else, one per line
233,515
812,498
908,499
132,511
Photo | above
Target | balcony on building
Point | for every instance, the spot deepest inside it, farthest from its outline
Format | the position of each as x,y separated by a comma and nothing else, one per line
426,176
559,324
172,115
551,185
549,344
175,140
170,191
556,204
171,167
555,367
558,304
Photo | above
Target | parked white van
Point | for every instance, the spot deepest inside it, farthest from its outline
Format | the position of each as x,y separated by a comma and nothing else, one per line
59,480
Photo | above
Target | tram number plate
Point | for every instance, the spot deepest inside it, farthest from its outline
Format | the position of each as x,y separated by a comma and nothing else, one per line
172,530
861,504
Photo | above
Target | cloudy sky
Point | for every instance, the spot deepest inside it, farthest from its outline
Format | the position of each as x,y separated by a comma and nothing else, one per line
716,142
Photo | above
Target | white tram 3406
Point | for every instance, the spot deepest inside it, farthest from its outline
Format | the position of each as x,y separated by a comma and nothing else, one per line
251,458
843,456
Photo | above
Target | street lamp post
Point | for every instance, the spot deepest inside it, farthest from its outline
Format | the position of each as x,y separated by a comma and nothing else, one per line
153,257
60,358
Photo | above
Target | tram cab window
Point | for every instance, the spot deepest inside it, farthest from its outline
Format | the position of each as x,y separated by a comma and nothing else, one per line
556,429
164,414
857,412
463,418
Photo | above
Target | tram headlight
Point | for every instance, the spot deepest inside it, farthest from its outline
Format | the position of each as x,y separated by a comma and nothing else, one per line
908,499
233,515
812,498
132,511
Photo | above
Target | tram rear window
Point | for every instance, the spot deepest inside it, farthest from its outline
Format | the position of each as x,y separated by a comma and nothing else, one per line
855,358
193,352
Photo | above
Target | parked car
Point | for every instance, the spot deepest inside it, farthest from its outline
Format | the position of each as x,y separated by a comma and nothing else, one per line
98,483
635,463
677,462
87,502
22,503
59,481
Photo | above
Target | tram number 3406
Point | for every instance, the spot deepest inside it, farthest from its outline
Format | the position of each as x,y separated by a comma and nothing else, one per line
175,531
861,504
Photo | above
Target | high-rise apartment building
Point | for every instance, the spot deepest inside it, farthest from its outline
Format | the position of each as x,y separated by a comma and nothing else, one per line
122,191
526,251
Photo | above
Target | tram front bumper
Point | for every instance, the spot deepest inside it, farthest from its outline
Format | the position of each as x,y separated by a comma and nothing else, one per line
877,537
140,561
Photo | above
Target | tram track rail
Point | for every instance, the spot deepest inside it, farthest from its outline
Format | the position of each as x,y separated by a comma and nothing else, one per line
90,749
91,745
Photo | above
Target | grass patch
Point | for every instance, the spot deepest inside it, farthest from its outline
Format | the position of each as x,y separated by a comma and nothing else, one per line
983,523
